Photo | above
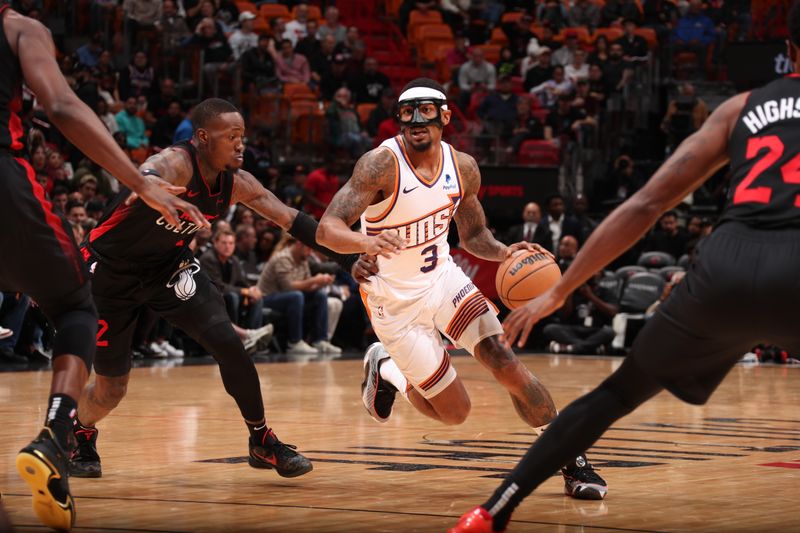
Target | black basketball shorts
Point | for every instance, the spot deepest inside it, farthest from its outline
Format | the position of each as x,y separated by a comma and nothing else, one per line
181,293
39,255
742,289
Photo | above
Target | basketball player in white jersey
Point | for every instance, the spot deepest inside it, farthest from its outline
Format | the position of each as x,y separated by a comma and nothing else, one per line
406,192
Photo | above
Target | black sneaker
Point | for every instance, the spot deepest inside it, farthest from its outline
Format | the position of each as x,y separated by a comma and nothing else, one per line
274,454
42,464
85,461
582,482
377,394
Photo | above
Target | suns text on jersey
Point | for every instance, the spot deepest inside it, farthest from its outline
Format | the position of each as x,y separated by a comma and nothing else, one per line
422,230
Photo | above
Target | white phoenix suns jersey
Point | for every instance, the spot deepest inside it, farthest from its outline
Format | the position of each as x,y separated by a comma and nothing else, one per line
420,211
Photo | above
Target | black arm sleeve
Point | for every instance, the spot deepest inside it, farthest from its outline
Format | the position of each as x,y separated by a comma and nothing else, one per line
304,229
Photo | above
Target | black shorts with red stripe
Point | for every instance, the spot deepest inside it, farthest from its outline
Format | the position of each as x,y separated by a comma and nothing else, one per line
39,256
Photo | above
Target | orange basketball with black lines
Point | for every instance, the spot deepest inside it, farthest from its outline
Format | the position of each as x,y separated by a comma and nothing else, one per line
524,276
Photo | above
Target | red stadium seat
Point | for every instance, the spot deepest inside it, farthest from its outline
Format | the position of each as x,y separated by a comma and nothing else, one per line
538,153
271,11
364,111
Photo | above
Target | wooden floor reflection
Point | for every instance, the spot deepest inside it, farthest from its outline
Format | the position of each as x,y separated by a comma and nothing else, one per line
174,456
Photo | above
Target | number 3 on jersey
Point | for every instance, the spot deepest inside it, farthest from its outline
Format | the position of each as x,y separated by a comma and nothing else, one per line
774,150
432,259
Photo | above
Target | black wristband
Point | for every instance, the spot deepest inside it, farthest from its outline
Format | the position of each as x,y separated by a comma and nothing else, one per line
304,229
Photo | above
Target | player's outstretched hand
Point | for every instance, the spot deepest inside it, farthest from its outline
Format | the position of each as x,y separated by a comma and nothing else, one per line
364,268
162,196
529,246
386,243
519,323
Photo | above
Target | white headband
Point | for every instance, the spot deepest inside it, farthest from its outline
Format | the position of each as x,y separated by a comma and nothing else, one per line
421,93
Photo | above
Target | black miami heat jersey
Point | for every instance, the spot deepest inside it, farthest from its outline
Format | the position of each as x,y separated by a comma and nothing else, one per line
140,235
10,93
765,158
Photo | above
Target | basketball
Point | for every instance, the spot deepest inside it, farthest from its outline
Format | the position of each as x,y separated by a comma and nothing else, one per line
524,276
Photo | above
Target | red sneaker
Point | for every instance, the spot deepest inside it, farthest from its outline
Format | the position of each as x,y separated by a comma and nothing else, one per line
477,520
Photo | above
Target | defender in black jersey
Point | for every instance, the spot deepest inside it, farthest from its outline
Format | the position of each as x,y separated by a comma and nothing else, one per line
742,290
139,259
40,257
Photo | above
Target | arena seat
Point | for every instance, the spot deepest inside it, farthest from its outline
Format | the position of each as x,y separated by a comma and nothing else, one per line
611,34
534,152
668,272
641,290
649,35
314,12
499,37
655,260
364,111
628,271
271,11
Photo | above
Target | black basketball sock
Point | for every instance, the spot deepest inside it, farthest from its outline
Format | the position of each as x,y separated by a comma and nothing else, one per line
569,435
61,411
261,433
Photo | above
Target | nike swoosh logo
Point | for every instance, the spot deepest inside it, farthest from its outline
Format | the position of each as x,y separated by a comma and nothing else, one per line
271,459
192,194
406,191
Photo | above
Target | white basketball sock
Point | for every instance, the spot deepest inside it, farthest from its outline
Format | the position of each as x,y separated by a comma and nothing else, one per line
392,374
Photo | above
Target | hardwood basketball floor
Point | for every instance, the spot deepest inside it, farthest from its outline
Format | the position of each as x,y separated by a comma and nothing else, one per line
174,456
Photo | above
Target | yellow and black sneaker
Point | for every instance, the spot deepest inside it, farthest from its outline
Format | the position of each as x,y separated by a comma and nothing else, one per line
274,454
43,465
84,460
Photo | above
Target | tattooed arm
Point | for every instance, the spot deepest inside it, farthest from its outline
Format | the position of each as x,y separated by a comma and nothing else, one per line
173,165
475,237
373,177
249,191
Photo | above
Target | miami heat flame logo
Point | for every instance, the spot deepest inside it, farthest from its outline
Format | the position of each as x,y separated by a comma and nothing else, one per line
183,279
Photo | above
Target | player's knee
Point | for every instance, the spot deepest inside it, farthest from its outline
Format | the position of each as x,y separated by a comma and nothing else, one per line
491,352
76,332
223,342
457,413
109,391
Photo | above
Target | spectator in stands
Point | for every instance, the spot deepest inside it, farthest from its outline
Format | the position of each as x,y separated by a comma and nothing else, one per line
75,212
585,321
258,67
584,13
530,58
140,15
345,132
519,34
335,78
541,71
661,15
59,199
291,67
293,194
246,241
168,93
476,75
694,32
89,54
563,56
624,179
266,240
694,228
566,251
600,54
226,15
131,125
321,185
166,125
351,44
506,66
527,126
617,72
87,186
297,29
580,210
457,56
531,229
39,158
244,38
138,78
290,289
634,47
225,271
559,223
370,84
310,45
597,87
578,69
685,114
332,26
553,14
218,55
498,111
172,27
668,238
551,90
549,39
615,11
243,216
